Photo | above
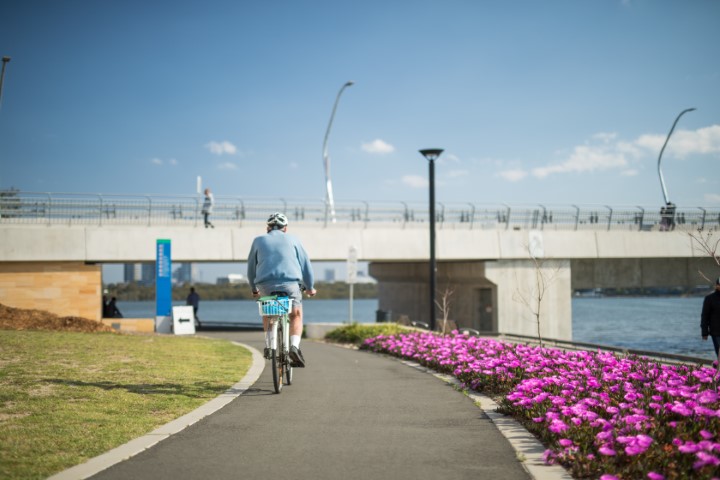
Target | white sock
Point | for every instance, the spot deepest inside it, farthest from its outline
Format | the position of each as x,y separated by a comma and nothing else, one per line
295,341
269,338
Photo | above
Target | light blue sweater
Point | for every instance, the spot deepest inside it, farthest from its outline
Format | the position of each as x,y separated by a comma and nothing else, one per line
278,257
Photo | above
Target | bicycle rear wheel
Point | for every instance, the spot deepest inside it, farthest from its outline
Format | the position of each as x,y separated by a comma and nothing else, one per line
287,361
278,361
288,370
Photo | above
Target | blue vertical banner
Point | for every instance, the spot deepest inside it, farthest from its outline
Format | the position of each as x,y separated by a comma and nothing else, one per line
163,286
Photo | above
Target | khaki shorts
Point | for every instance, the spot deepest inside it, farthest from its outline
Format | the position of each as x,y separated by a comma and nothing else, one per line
292,290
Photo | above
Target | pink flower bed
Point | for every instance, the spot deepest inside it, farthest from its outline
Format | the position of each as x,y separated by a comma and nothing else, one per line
600,415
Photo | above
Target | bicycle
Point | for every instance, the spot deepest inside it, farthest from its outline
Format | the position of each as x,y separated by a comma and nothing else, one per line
277,307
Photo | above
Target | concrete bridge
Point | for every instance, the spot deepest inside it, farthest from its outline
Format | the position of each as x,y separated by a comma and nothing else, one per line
492,257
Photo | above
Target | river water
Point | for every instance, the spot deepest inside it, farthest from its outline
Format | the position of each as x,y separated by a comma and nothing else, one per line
659,324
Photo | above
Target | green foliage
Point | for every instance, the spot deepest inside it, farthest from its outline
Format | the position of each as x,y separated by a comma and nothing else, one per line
356,333
67,397
129,292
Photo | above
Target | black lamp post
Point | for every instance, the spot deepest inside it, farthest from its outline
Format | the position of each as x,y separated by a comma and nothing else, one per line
431,154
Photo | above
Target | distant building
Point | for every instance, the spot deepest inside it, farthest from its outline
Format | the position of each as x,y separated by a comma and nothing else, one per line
187,273
362,277
330,275
142,273
232,279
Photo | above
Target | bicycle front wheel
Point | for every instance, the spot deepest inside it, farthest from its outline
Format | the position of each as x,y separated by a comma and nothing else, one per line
278,364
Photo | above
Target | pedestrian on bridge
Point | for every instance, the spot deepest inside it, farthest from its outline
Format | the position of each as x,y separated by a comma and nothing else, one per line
710,318
207,208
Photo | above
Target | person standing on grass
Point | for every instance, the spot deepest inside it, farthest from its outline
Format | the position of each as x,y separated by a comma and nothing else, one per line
193,300
278,263
710,317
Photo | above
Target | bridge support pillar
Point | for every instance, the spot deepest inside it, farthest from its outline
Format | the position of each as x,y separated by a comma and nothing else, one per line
525,289
489,296
63,288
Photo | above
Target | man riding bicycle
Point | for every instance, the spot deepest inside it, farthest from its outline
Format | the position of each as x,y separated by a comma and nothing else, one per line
278,263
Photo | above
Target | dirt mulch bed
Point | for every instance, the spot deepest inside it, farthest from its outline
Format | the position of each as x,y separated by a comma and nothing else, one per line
22,319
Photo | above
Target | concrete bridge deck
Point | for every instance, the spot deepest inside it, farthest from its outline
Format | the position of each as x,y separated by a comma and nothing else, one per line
492,257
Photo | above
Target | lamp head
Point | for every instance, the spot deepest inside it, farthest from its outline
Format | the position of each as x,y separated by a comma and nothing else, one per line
431,153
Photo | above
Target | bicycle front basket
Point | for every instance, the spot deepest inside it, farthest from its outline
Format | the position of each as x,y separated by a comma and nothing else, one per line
272,306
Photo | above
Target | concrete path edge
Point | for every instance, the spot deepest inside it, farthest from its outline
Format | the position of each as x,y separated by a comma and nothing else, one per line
528,449
133,447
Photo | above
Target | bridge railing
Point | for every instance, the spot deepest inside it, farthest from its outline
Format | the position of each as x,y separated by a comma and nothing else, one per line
45,208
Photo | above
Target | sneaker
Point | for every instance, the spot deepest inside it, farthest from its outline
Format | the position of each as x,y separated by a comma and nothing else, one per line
267,353
297,357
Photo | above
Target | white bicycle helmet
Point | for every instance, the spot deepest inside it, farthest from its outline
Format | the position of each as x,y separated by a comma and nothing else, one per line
277,219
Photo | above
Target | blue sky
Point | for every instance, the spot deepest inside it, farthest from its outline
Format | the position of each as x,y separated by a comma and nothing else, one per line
556,102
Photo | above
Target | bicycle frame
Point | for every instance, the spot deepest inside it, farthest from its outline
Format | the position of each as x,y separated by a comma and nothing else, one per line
274,323
277,311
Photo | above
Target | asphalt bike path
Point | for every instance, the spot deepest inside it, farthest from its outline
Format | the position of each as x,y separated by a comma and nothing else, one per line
350,414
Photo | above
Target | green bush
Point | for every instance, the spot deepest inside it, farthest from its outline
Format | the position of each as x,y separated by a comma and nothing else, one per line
356,333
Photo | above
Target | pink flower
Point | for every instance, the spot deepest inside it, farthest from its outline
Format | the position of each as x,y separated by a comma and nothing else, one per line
607,451
681,409
634,449
688,448
705,459
557,426
628,400
644,440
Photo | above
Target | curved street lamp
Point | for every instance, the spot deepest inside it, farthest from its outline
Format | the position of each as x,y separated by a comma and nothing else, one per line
329,201
5,60
432,154
662,181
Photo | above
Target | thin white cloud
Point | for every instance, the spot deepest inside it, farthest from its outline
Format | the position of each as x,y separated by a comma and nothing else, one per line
159,161
221,148
457,173
513,175
378,146
448,158
606,152
702,141
605,137
712,197
415,181
585,159
227,166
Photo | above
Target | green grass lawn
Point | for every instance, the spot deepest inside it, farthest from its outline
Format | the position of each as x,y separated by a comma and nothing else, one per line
68,397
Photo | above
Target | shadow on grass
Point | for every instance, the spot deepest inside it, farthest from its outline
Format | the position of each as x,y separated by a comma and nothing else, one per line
196,390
